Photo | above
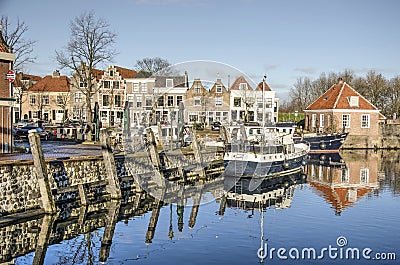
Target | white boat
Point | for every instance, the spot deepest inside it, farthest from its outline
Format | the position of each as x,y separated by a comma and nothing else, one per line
264,155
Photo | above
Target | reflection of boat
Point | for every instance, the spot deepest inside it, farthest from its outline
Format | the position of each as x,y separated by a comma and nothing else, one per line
324,143
270,191
255,152
326,159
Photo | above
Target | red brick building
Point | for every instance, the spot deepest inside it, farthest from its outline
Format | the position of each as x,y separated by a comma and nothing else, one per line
6,97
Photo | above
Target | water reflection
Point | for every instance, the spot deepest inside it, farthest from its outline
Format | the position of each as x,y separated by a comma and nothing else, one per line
341,179
344,178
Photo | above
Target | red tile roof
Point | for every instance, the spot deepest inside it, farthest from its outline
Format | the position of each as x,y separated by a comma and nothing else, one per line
97,74
266,87
337,97
3,45
51,84
126,73
238,81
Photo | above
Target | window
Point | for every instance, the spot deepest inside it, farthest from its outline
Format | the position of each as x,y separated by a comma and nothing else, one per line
353,101
78,97
32,99
218,116
197,101
237,102
197,90
111,73
160,101
364,175
135,87
346,120
314,120
130,98
144,87
149,102
225,116
82,82
268,102
169,83
170,101
259,103
345,175
116,84
45,100
243,86
365,121
178,100
218,102
138,101
106,102
35,114
106,84
60,100
117,100
321,120
219,89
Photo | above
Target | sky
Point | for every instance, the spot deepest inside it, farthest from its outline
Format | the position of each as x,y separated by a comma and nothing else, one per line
284,40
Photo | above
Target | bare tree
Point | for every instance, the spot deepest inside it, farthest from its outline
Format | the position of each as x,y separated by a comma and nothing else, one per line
90,44
394,96
146,67
14,38
301,94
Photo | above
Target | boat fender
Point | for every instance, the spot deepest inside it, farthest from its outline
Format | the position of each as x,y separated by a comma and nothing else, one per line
322,157
322,145
286,165
303,162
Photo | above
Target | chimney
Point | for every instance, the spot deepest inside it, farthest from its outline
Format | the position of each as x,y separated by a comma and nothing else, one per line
56,73
340,81
186,79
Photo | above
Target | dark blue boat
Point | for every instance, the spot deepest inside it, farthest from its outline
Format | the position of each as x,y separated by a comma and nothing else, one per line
324,143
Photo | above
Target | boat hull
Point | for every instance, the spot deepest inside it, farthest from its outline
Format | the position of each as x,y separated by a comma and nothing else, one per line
325,143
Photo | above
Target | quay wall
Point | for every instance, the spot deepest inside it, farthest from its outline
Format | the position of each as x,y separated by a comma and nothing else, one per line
388,138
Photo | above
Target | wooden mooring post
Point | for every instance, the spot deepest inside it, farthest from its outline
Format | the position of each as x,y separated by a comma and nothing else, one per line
113,187
41,172
197,153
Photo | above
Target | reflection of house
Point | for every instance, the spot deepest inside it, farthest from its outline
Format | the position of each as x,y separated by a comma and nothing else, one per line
6,97
343,185
112,95
343,108
48,99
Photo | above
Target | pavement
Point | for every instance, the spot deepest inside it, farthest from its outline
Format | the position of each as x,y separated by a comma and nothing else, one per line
56,149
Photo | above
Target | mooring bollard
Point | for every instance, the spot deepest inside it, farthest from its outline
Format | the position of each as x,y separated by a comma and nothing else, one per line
113,183
41,171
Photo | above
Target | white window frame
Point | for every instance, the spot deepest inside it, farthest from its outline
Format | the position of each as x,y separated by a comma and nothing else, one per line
321,120
365,120
353,101
243,86
60,100
313,120
218,102
139,102
46,100
78,97
196,101
364,175
144,87
135,87
169,82
32,99
218,89
347,125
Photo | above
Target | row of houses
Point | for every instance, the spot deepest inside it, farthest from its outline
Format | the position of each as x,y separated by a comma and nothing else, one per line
55,98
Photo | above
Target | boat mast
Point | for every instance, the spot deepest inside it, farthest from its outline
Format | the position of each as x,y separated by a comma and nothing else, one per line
263,115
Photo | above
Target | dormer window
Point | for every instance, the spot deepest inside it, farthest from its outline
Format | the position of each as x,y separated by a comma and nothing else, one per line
169,83
353,101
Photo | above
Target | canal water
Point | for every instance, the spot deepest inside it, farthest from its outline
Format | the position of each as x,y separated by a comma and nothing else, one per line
346,211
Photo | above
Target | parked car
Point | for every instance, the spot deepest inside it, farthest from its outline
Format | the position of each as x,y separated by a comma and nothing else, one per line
24,131
215,126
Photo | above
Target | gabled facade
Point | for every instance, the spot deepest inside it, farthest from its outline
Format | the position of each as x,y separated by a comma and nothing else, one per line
79,89
6,96
111,95
197,103
48,99
220,99
342,108
21,84
248,104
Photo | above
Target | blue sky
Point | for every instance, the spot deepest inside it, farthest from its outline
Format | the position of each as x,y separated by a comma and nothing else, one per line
284,39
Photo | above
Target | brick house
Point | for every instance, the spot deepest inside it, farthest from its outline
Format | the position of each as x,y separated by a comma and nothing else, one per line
48,99
198,102
6,96
22,83
342,108
111,95
220,99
